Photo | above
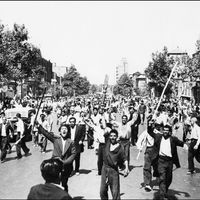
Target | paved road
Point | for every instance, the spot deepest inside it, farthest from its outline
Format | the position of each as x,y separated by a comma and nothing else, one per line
17,176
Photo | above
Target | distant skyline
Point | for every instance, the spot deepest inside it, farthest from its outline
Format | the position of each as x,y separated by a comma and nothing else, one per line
95,36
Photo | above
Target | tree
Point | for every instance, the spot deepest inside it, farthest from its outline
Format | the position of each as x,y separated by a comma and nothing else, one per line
158,71
93,88
18,60
74,83
123,86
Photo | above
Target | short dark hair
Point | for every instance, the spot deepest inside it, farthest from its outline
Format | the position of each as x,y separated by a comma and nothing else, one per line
66,125
18,115
72,118
51,169
169,127
114,131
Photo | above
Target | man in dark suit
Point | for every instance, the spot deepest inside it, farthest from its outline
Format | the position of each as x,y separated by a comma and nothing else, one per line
135,125
51,171
166,146
5,131
64,149
78,136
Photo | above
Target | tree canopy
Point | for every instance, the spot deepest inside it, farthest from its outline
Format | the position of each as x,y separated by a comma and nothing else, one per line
74,83
158,71
123,86
18,57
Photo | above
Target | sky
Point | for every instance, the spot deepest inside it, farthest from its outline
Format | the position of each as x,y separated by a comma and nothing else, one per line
95,36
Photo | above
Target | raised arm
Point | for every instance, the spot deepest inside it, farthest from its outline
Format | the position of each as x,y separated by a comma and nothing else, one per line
150,129
47,134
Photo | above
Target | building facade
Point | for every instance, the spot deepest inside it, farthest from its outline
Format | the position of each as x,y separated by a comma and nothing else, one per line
121,69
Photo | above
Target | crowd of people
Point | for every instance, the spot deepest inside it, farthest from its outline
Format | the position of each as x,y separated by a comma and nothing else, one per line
110,127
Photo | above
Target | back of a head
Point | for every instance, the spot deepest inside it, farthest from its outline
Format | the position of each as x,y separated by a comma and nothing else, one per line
18,115
51,169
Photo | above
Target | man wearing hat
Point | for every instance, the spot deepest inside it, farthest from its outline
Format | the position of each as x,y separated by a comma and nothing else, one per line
63,148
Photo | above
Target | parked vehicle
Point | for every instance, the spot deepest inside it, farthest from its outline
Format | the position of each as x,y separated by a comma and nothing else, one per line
25,115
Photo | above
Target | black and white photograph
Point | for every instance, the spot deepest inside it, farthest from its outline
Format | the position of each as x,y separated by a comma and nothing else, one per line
100,100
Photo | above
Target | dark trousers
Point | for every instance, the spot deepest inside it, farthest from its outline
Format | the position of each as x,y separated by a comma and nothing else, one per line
142,115
165,167
134,134
126,145
150,160
35,137
4,144
77,162
191,154
186,130
90,139
109,177
43,143
21,144
65,174
100,157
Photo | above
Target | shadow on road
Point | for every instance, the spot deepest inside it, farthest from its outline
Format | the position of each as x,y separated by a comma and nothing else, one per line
176,192
132,167
197,170
84,171
172,194
79,197
10,158
49,150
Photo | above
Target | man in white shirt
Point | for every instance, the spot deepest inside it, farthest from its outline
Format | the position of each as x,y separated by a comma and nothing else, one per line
21,137
101,134
166,147
194,145
5,131
46,126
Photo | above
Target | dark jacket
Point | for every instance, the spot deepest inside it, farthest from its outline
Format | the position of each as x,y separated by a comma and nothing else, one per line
174,141
79,136
69,153
47,191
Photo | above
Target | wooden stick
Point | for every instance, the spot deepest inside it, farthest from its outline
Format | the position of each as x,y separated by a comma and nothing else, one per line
163,92
39,108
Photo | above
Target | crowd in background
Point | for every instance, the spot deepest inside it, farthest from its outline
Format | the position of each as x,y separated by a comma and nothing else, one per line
99,121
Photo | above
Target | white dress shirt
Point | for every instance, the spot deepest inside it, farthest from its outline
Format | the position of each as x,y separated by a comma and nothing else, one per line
20,126
73,133
165,147
63,144
3,130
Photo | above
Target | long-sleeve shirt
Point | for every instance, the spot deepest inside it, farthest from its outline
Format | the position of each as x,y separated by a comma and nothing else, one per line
20,126
195,133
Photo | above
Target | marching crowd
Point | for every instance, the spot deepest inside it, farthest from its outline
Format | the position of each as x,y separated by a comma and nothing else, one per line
96,120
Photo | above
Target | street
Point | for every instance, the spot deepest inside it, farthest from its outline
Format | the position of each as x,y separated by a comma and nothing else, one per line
17,176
